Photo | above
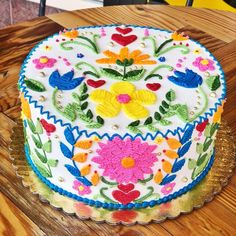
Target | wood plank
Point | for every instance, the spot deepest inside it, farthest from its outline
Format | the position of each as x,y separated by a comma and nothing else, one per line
13,222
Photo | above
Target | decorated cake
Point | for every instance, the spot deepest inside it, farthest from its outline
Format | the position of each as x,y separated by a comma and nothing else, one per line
121,116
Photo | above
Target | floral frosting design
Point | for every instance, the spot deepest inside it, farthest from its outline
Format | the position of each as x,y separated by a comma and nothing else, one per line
125,160
123,96
44,62
168,188
81,188
204,64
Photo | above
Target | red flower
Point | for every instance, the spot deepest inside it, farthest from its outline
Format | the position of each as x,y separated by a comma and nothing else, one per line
201,127
124,215
83,210
50,128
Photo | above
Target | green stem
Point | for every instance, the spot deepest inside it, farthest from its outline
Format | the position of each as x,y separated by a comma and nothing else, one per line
63,45
95,37
105,196
91,43
162,45
78,66
146,180
108,182
170,68
44,153
204,106
185,50
153,43
146,196
124,73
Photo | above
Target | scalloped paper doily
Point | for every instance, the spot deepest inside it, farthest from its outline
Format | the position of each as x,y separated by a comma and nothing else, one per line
212,184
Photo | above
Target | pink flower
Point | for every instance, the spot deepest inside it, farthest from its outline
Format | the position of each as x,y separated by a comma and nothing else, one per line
125,160
168,188
81,188
204,64
44,62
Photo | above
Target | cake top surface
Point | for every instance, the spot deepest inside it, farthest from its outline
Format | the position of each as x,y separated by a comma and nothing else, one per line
122,80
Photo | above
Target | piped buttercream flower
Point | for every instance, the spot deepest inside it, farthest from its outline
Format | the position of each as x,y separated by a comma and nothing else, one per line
25,107
168,188
81,188
71,33
123,96
125,160
136,57
44,62
204,64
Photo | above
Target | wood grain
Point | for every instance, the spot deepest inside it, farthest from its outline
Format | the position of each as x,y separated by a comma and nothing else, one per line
215,29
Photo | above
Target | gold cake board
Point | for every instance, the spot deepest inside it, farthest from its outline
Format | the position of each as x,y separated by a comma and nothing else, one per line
218,176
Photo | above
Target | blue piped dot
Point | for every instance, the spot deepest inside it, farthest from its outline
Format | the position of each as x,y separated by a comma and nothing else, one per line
162,59
80,55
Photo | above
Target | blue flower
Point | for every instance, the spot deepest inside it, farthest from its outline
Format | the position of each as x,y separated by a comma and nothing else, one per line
189,79
80,55
64,82
162,59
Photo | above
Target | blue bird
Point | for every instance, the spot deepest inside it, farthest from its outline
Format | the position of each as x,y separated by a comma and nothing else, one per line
64,82
189,79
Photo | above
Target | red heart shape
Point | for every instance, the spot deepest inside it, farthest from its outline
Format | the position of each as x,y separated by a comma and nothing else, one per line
125,198
124,30
123,40
126,188
95,83
48,127
201,127
154,86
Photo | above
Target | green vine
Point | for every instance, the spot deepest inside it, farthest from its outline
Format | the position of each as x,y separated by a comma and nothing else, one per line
151,190
93,71
105,196
153,72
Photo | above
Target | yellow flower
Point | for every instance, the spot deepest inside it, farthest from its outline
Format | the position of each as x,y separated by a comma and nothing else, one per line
136,55
159,140
25,107
179,37
47,48
197,51
123,96
71,34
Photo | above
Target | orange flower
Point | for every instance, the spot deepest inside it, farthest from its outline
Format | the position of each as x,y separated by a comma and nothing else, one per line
136,55
179,37
71,34
25,107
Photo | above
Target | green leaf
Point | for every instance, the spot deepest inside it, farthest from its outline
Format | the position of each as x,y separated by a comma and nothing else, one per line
83,97
182,113
207,144
148,121
165,104
84,118
213,129
175,107
52,162
169,114
133,73
37,142
100,120
200,168
152,128
119,62
40,156
34,85
38,128
162,110
47,147
76,106
170,95
111,72
207,132
153,75
94,126
201,159
199,148
83,88
91,73
76,96
157,116
164,122
89,114
213,82
43,170
191,164
134,123
69,112
31,126
134,129
84,105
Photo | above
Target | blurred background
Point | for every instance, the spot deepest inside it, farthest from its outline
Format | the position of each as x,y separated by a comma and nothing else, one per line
13,11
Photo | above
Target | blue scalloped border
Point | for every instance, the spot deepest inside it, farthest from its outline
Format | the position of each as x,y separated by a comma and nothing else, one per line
23,88
113,206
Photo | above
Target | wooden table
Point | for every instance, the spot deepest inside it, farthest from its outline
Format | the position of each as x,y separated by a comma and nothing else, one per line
22,213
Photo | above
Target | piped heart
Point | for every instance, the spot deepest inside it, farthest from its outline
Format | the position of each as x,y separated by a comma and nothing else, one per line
126,188
95,83
123,30
50,128
123,40
125,198
153,86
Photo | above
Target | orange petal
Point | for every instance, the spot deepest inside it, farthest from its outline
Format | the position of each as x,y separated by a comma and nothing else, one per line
142,57
124,52
95,178
146,62
110,54
158,177
85,170
84,144
106,61
80,157
135,54
166,166
171,154
173,143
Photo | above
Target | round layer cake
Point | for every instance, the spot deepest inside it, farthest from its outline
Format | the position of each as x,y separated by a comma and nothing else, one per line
121,116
